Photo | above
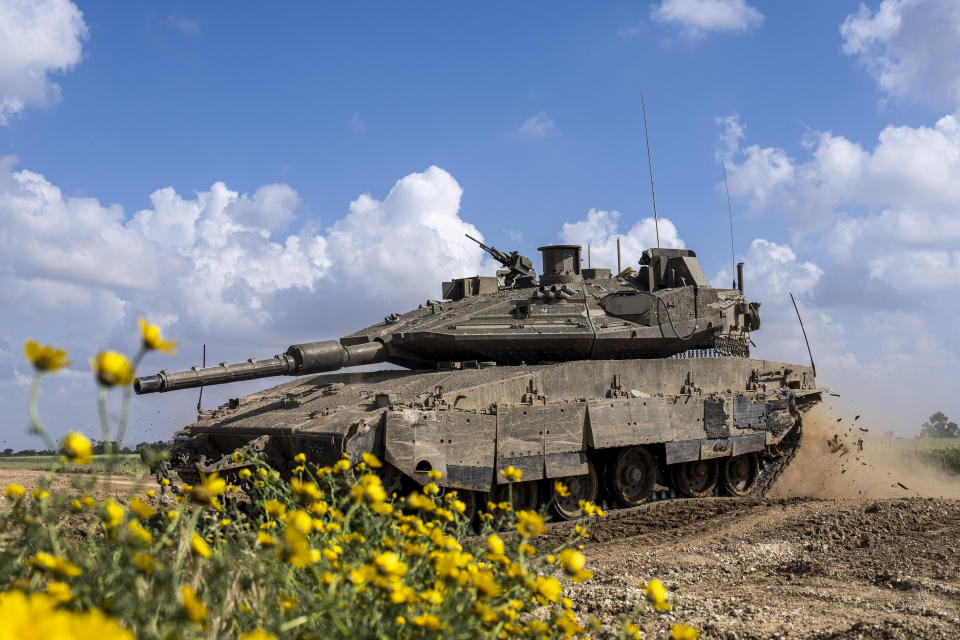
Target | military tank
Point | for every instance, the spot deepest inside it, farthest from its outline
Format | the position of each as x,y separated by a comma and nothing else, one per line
620,385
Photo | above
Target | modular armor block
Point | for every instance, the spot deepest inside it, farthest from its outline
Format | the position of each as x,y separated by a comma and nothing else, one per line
619,385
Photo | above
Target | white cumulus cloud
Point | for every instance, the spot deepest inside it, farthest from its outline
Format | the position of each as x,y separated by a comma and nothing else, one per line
600,229
910,47
37,38
211,267
699,17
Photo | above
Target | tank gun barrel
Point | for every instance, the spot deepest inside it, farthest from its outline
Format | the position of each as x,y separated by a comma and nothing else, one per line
498,255
299,359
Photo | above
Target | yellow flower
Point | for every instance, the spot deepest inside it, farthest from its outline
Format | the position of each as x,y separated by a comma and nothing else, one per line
36,615
299,520
657,594
274,508
153,340
14,491
431,489
319,508
300,457
297,549
192,605
143,561
684,632
264,539
199,545
495,544
60,592
257,634
142,509
41,494
400,620
561,489
244,474
111,514
390,564
549,588
433,474
511,474
428,621
486,583
45,357
77,448
112,369
372,461
362,574
572,560
55,564
210,486
306,489
369,488
138,535
632,631
529,523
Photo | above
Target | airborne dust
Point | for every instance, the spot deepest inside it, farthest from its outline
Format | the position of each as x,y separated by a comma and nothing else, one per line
845,459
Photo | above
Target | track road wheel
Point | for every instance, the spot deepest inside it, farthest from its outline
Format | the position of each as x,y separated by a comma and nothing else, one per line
695,479
583,487
739,475
522,495
631,475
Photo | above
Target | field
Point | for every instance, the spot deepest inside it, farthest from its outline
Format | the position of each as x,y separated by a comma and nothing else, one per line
122,464
859,539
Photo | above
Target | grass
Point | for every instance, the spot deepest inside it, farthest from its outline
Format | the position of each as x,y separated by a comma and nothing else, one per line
123,463
947,457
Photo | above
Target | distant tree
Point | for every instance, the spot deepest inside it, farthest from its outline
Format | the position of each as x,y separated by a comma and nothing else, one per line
939,426
8,452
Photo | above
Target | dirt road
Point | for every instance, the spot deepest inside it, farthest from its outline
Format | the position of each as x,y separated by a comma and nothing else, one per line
858,542
793,568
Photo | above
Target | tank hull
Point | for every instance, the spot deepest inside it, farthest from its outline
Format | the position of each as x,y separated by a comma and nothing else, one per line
576,419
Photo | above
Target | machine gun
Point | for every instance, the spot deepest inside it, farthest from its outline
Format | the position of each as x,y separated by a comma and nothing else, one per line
519,266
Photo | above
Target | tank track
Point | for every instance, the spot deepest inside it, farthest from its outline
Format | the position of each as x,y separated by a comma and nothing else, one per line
770,471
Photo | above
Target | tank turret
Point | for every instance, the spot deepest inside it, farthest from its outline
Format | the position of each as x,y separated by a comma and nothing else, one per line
666,307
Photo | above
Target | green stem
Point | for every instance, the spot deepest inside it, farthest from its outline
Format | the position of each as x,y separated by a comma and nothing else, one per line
104,421
35,413
125,410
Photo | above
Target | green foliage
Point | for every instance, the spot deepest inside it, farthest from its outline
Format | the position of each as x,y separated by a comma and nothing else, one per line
948,458
316,555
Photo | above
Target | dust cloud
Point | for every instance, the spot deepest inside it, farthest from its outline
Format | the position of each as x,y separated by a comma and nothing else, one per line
843,459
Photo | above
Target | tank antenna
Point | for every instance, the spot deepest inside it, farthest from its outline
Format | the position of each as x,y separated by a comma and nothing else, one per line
618,256
589,264
733,254
809,353
646,133
200,397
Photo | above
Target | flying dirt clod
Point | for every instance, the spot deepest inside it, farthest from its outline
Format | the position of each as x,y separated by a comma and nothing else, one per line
615,385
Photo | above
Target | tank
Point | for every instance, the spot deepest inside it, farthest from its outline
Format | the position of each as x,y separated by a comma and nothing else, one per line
627,387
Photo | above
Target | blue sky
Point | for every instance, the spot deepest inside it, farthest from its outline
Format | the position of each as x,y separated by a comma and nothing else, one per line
826,112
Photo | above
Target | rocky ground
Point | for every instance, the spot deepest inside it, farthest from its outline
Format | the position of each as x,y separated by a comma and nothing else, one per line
784,568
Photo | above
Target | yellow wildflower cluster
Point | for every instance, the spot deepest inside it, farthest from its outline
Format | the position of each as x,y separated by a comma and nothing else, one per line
37,615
